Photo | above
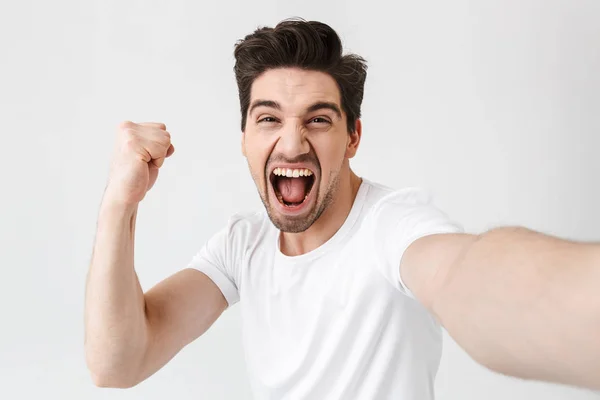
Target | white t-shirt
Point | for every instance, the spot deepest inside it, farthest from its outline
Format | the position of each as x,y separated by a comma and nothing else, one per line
337,322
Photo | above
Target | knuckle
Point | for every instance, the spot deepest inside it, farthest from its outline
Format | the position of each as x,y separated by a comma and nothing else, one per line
131,143
129,133
126,125
165,141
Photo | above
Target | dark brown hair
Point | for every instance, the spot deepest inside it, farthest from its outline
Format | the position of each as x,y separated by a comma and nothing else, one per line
309,45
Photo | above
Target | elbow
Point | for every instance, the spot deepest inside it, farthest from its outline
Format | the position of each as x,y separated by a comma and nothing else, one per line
105,374
109,381
112,379
113,365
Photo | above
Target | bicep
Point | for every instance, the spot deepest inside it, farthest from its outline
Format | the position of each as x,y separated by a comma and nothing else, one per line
179,309
427,262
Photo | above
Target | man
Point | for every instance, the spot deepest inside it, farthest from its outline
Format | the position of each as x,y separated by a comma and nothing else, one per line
343,283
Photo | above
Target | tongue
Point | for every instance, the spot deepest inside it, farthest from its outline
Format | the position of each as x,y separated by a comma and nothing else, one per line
291,189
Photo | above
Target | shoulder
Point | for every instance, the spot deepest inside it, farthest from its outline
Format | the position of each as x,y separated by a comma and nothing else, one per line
394,220
408,211
383,198
245,230
247,224
228,246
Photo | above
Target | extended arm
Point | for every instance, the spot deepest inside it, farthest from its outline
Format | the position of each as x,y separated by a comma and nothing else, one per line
519,302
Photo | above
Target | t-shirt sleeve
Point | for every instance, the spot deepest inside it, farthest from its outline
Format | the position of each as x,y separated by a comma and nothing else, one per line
399,219
218,261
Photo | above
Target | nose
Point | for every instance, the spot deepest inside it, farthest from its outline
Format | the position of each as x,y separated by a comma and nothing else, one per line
292,140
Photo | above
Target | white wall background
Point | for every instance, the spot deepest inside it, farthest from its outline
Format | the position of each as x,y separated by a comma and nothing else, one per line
493,105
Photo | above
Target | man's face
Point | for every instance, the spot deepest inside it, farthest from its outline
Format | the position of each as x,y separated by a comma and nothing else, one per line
296,142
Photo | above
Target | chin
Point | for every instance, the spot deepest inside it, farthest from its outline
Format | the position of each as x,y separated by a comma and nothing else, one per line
291,225
293,219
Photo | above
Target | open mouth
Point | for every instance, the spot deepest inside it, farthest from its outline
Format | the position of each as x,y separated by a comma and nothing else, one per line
292,185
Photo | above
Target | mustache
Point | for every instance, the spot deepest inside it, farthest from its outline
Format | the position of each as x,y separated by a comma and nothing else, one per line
307,158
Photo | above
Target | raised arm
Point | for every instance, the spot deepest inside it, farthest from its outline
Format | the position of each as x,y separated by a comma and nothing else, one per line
519,302
129,335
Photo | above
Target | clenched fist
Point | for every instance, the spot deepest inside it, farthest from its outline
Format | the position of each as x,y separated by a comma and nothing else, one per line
140,150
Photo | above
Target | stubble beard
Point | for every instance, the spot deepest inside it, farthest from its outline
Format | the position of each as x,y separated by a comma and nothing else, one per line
301,224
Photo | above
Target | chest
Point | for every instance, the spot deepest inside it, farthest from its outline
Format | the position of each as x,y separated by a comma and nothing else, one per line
334,282
299,319
288,305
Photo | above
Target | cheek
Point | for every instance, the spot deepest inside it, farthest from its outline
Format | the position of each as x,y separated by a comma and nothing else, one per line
257,153
331,152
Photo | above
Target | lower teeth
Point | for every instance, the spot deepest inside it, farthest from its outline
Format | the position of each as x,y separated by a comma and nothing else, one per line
285,203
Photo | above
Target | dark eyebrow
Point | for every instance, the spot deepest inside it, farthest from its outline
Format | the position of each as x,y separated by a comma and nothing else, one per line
264,103
315,107
325,105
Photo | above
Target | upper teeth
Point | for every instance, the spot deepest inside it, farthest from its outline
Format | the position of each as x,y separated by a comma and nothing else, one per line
292,173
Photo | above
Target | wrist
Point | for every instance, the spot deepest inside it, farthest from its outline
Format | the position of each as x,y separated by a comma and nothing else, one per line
115,207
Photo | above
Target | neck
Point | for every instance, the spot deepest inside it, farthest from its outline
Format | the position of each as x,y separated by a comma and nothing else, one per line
330,221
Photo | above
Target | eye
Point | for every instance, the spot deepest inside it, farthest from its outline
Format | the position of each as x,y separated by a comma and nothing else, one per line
320,120
267,119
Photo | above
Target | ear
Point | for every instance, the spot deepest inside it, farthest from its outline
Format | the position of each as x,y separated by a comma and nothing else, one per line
354,139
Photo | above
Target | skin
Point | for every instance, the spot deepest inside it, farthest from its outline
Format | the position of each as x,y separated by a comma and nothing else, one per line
129,334
546,328
285,131
519,302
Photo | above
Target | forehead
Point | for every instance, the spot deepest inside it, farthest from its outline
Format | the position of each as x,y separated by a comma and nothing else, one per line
294,87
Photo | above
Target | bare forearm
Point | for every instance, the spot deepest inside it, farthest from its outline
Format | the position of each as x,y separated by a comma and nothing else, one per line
527,305
115,318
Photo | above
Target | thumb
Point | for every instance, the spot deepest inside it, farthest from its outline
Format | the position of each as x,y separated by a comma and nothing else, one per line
158,162
170,151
